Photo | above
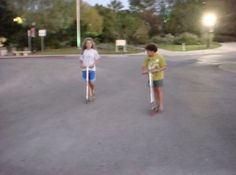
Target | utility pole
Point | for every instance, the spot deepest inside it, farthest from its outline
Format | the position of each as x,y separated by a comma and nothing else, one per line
78,23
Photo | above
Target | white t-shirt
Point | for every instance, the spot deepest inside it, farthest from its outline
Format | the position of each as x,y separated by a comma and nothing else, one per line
89,57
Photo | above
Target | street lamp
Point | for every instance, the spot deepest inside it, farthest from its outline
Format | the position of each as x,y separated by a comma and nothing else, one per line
78,23
209,21
18,20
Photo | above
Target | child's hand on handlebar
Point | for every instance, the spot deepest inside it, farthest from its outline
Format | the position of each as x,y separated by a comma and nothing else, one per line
145,72
91,66
82,66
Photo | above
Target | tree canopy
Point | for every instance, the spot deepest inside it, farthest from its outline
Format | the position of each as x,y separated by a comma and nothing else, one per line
143,20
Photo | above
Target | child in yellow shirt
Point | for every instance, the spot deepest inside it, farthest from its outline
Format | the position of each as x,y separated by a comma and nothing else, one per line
156,64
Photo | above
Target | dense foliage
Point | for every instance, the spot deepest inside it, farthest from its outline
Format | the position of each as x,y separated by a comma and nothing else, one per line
171,21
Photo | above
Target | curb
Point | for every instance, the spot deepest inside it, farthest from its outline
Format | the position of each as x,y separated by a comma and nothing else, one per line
68,55
31,56
225,48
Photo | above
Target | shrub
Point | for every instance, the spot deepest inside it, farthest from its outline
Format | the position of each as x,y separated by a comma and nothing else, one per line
167,39
107,46
2,41
187,38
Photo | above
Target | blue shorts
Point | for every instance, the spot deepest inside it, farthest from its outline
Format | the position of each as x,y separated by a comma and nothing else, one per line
92,75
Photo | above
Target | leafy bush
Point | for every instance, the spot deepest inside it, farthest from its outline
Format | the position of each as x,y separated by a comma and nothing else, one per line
2,41
107,46
167,39
141,35
187,38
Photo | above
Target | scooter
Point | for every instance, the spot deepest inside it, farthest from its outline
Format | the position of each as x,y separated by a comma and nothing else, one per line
87,84
153,105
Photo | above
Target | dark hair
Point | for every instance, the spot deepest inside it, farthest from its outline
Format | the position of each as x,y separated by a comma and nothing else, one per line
151,47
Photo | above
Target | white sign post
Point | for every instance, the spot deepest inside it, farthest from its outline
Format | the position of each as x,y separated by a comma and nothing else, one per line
42,34
121,43
29,40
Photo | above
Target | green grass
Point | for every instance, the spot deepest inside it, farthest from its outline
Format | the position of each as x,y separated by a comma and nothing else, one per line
61,51
173,47
103,49
110,49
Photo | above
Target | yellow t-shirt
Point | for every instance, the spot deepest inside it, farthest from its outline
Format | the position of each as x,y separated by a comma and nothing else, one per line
157,61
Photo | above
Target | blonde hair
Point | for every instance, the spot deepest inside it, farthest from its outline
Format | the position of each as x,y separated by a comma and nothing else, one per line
84,44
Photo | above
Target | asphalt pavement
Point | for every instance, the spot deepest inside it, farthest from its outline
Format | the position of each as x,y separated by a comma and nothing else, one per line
47,129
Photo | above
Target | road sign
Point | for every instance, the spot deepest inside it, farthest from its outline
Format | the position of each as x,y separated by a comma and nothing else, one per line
33,32
29,33
121,43
42,33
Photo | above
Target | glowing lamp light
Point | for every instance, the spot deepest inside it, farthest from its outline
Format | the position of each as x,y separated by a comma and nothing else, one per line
18,20
209,20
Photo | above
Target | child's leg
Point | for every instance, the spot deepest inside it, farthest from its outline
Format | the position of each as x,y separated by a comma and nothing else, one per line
92,88
159,97
158,92
156,95
92,78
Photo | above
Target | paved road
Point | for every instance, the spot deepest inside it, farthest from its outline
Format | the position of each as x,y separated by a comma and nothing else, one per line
47,129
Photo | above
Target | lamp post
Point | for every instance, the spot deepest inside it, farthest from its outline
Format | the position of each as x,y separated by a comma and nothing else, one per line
31,36
19,20
78,23
209,21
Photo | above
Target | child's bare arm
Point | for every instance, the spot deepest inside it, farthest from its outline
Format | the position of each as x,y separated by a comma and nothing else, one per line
144,70
82,64
94,64
156,70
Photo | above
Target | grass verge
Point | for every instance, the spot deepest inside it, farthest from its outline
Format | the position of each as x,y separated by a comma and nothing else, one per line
172,47
102,49
110,49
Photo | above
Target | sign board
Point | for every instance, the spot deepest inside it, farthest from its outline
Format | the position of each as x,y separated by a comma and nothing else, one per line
29,33
42,32
120,42
33,32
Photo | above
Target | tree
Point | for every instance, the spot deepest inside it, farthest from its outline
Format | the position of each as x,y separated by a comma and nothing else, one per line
164,14
131,27
91,19
8,28
185,16
148,10
54,15
226,23
109,31
143,5
115,5
141,36
59,18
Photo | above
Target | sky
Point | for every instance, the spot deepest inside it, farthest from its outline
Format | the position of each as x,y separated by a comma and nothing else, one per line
105,2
